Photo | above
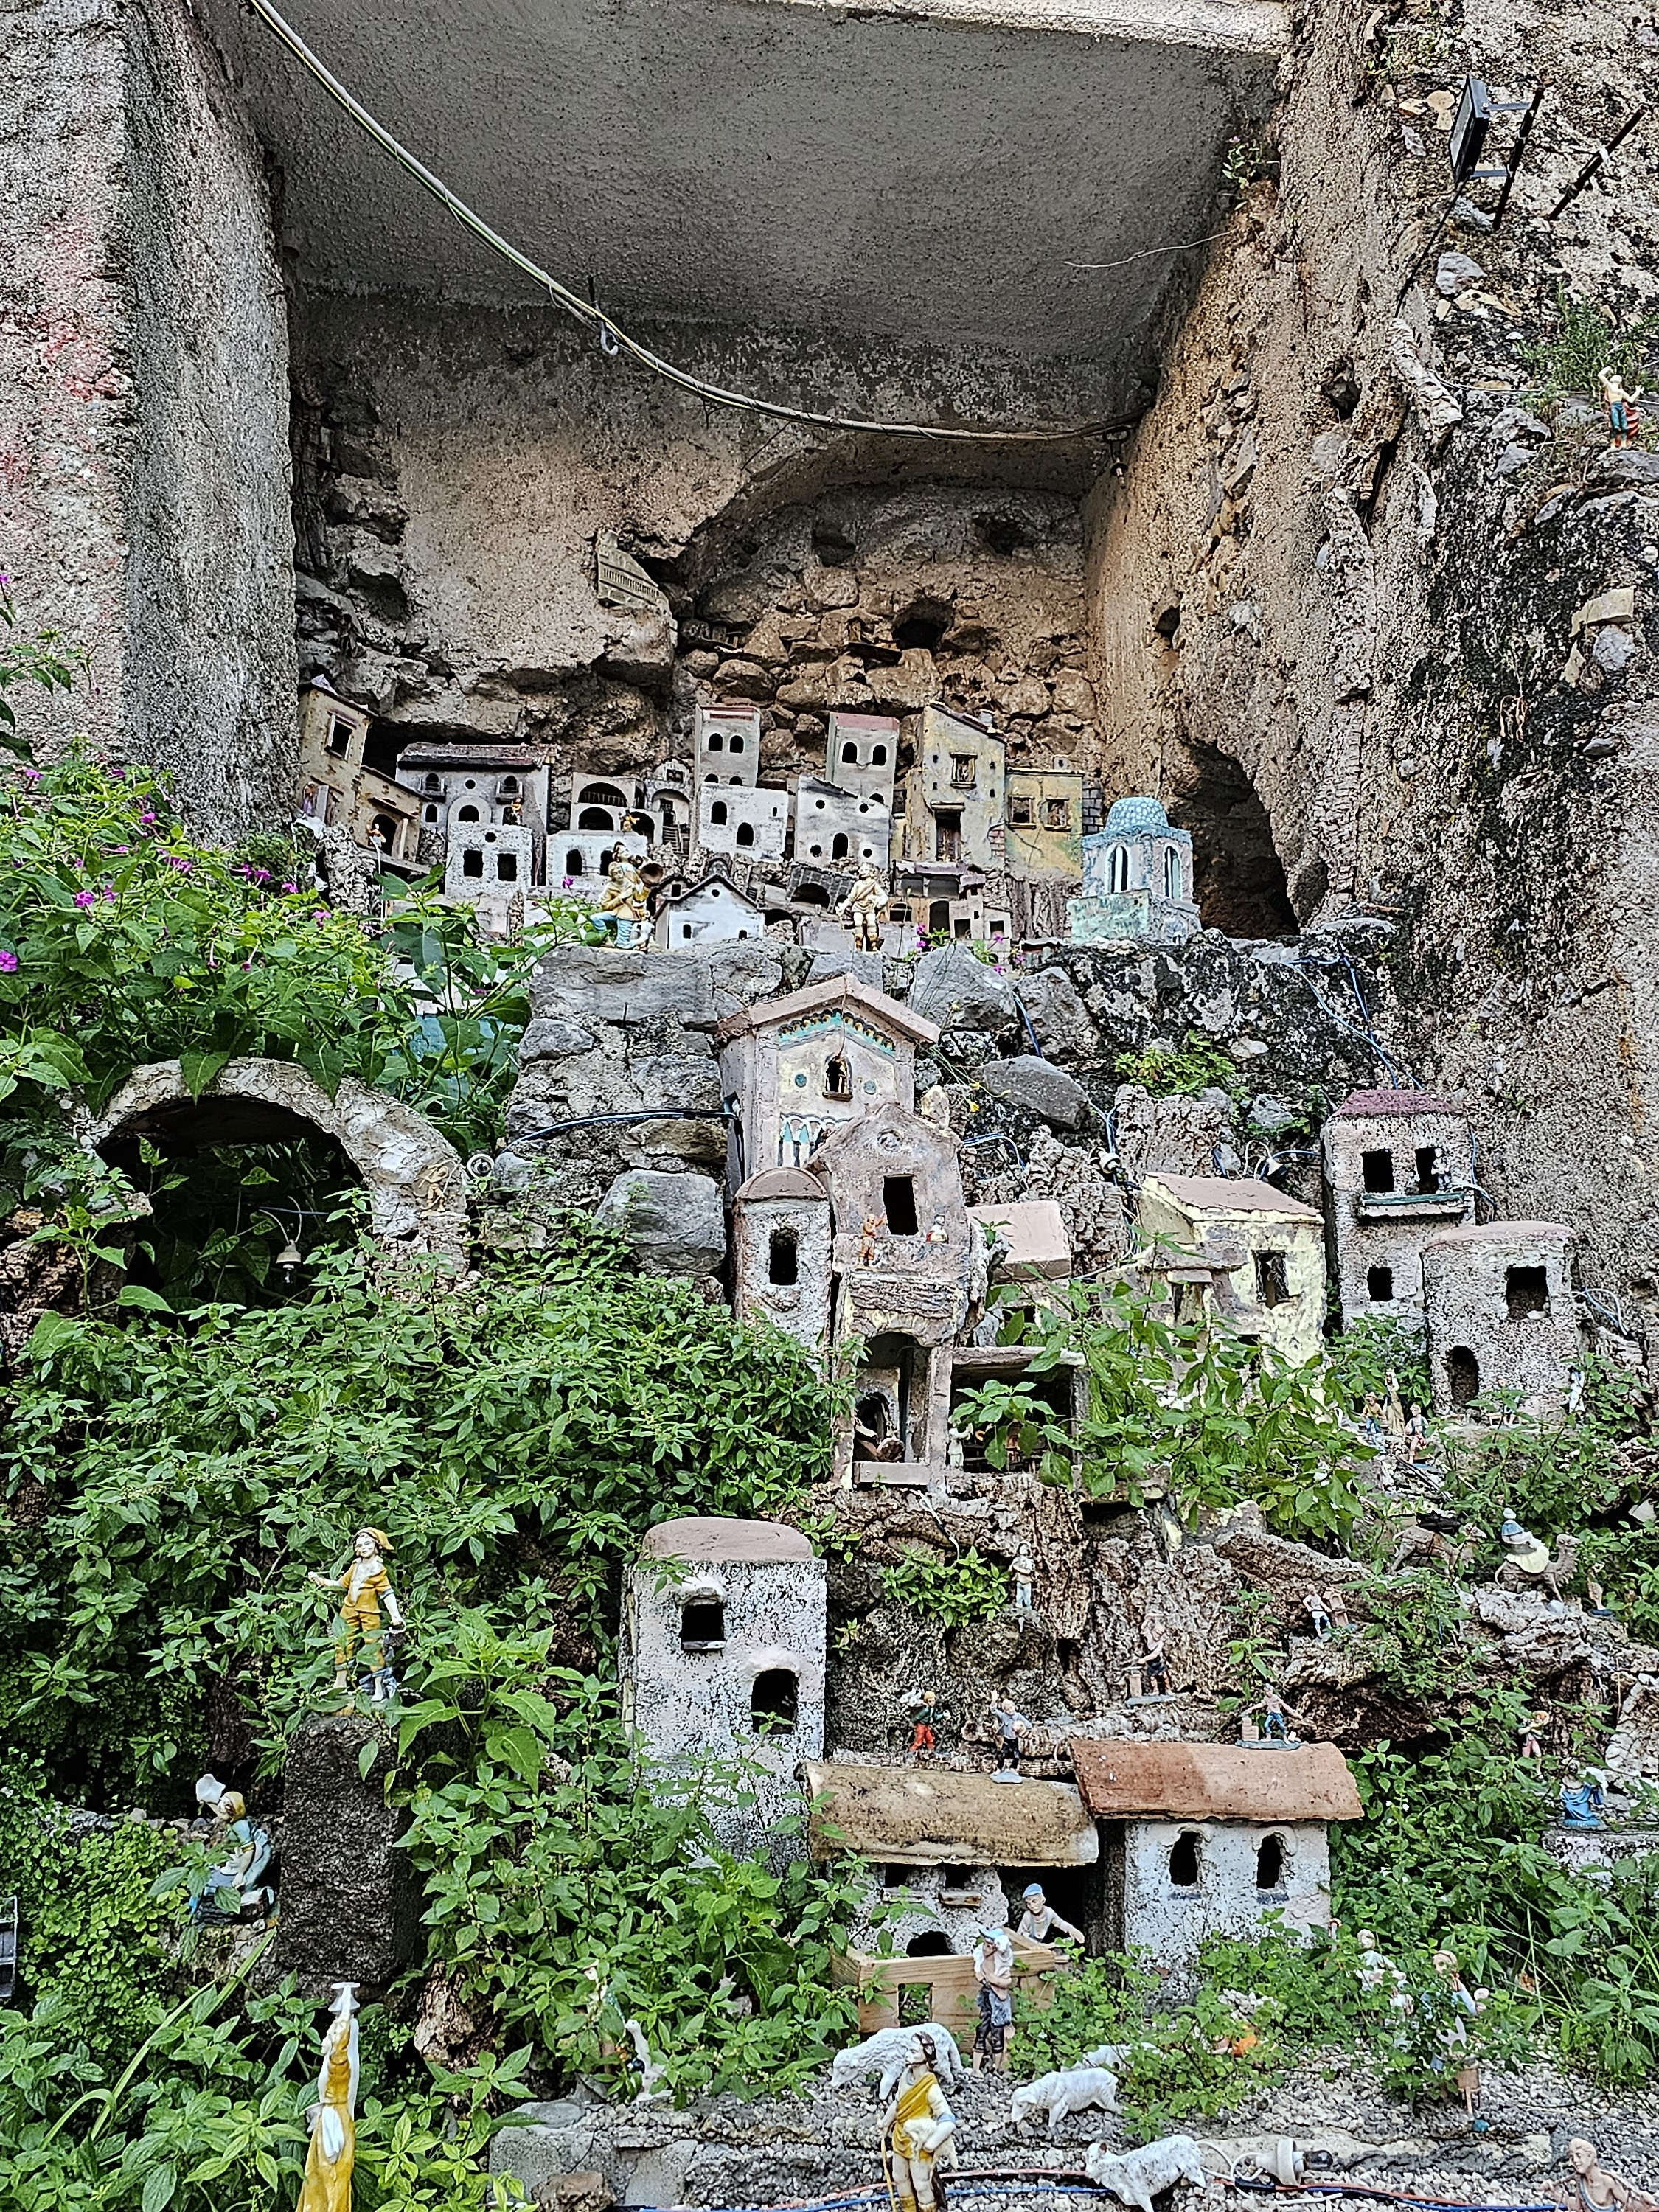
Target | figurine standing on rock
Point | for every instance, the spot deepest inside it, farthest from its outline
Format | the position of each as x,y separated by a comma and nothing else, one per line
921,2129
366,1588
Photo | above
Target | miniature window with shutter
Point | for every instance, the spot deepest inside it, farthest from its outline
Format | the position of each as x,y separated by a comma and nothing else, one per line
338,741
963,769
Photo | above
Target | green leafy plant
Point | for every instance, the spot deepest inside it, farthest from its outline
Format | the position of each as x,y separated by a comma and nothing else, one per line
1358,1362
1181,1073
1583,343
955,1591
39,657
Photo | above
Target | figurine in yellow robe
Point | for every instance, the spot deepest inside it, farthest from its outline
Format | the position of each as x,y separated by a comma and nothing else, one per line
365,1589
922,2128
333,2149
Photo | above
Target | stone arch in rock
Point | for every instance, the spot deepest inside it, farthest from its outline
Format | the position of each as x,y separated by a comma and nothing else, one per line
415,1179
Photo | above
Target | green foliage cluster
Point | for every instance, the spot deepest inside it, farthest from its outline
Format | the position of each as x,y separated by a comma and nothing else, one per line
39,656
1583,343
513,1435
956,1591
1197,1063
1191,1407
569,1890
1359,1363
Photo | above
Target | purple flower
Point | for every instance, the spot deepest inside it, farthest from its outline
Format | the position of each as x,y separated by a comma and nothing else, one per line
291,887
120,848
86,898
30,775
109,893
7,962
150,817
262,875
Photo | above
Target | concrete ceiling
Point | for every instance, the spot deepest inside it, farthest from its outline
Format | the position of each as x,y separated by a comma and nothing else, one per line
912,169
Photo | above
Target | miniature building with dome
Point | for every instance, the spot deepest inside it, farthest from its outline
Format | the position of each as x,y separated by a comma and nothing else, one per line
1137,880
722,1659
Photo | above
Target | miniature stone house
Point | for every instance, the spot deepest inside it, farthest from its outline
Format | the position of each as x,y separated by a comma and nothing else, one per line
942,1847
838,829
1501,1314
799,1066
1044,825
712,911
486,786
722,1660
1398,1168
1271,1246
481,863
754,820
862,755
1201,1839
954,793
336,786
905,1256
1137,879
578,860
781,1239
725,744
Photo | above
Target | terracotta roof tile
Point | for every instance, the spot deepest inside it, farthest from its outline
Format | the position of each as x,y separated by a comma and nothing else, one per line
1127,1781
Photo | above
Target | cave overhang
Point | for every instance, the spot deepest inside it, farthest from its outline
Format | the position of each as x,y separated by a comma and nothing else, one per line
917,171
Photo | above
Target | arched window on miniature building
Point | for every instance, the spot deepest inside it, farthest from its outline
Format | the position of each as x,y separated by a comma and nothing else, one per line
838,846
1171,872
736,744
594,817
385,832
433,783
782,1259
1184,1861
931,1943
428,815
573,863
745,833
1270,1863
837,1078
703,1625
1117,868
877,756
507,787
774,1701
467,814
717,813
716,742
849,751
1463,1375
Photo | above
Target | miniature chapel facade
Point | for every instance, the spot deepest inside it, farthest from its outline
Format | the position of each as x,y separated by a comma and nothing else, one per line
795,1068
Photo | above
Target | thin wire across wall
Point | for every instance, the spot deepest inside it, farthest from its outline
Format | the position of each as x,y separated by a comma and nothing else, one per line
614,338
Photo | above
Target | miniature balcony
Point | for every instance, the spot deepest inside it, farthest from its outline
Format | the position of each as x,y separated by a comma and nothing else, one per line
1411,1205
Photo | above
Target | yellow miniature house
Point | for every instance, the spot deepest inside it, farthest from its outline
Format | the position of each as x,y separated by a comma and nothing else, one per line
1268,1247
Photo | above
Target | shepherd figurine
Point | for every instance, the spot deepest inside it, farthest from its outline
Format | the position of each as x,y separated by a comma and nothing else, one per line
365,1589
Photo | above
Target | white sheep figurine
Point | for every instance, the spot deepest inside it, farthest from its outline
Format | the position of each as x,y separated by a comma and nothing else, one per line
1140,2175
882,2054
1076,2090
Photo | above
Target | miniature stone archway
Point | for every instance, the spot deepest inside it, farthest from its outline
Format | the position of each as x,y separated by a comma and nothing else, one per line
416,1182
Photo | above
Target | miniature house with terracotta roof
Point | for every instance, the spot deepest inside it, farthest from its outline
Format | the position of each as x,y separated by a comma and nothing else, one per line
1398,1169
1202,1839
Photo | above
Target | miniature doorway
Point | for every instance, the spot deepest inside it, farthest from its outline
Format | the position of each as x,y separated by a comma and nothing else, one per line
1463,1375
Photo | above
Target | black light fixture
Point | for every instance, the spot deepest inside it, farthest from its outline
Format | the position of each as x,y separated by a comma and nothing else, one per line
1471,123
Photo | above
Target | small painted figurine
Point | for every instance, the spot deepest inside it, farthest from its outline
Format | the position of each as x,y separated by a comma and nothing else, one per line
1620,401
1370,1421
1377,1970
922,2130
1582,1804
1600,2189
867,905
1275,1721
365,1588
1531,1743
1467,2005
333,2147
1417,1433
1153,1673
1010,1726
1313,1603
626,898
1598,1607
923,1706
1527,1556
1393,1413
233,1887
869,1229
937,1232
1039,1920
993,1971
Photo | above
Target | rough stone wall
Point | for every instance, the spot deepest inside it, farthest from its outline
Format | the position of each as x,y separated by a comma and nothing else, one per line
144,371
1310,600
454,467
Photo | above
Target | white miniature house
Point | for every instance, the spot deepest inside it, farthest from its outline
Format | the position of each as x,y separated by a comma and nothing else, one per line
1399,1168
1137,880
862,755
753,819
782,1241
722,1665
1201,1839
1501,1313
712,911
726,743
837,828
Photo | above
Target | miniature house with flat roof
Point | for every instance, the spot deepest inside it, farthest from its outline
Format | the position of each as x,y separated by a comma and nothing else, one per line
1398,1169
780,1234
838,829
484,863
954,793
1501,1313
1202,1839
722,1662
1042,833
1137,880
753,820
726,743
796,1068
1271,1246
861,754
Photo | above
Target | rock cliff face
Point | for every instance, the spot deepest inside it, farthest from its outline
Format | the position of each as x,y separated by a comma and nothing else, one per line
1371,597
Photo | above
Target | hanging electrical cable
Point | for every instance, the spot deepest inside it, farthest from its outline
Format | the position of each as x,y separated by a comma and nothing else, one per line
589,311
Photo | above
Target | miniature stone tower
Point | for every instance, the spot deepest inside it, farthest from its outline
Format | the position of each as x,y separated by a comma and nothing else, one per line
722,1661
1398,1168
1137,880
781,1231
1501,1313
